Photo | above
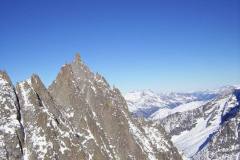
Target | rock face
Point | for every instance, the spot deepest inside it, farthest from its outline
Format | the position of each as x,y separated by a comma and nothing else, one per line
48,135
11,133
101,113
79,117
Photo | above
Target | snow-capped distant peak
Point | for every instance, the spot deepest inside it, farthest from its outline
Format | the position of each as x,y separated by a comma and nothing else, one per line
144,103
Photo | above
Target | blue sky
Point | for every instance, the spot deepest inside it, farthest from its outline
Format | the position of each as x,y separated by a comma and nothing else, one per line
168,45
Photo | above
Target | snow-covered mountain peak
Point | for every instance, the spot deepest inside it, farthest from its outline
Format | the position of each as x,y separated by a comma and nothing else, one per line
144,103
144,96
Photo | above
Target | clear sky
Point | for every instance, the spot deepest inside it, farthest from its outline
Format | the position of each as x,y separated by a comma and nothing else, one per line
164,45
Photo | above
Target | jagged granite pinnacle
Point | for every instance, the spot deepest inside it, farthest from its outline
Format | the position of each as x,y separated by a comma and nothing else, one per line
77,58
104,112
79,117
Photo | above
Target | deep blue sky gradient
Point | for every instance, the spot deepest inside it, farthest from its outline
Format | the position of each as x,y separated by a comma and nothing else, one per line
164,45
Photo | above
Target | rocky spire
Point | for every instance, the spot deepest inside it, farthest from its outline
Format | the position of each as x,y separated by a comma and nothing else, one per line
77,58
78,118
4,76
103,111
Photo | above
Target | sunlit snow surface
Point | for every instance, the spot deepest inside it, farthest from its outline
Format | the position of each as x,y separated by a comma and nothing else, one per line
189,142
164,112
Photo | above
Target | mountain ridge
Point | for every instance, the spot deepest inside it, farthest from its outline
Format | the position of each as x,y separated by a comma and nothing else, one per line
196,127
78,117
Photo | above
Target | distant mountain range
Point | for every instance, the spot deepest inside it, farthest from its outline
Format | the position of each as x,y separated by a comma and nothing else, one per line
203,125
148,104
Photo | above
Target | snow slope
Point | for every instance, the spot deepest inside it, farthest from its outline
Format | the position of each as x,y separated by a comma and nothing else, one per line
194,120
164,112
192,130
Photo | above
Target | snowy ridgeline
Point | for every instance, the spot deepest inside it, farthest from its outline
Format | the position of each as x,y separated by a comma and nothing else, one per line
193,120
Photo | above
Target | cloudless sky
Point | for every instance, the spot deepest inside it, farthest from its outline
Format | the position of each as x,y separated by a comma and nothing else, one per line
163,45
